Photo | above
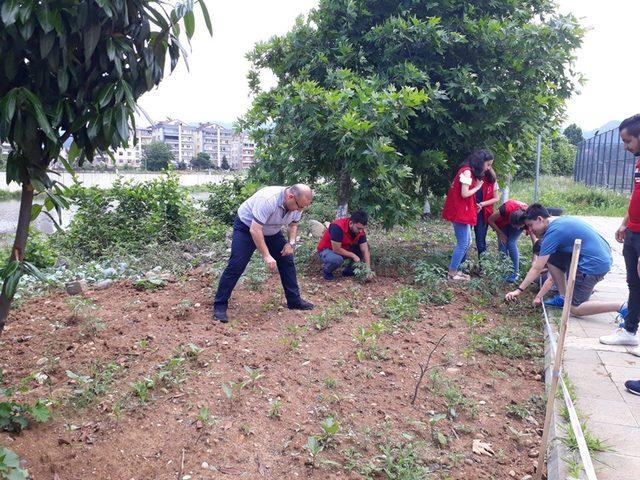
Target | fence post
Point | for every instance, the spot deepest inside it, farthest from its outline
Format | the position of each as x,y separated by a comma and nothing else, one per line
557,364
537,180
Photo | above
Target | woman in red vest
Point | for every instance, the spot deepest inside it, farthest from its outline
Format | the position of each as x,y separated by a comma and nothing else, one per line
508,223
486,197
460,206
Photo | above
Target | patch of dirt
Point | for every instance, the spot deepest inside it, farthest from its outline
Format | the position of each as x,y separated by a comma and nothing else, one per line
118,437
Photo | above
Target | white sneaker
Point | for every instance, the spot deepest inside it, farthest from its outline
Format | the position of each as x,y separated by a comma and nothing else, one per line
620,337
636,352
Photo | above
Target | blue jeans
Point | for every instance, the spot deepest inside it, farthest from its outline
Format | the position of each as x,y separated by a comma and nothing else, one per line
511,248
463,238
480,231
242,248
332,261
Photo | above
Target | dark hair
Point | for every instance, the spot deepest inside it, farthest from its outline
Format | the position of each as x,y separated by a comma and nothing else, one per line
517,217
534,211
490,176
632,124
360,217
536,247
476,162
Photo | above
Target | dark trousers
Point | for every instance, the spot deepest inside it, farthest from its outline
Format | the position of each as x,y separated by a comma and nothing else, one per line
332,261
242,248
480,231
631,253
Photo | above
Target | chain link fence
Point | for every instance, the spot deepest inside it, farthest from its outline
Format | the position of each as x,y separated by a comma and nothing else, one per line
602,161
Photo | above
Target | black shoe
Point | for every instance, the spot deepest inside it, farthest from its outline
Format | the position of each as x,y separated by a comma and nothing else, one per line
301,305
348,273
220,314
328,276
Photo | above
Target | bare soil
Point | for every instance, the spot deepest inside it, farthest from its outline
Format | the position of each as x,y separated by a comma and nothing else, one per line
116,436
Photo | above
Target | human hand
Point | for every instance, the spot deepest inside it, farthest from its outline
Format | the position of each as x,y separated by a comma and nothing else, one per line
502,238
355,258
537,301
270,263
478,207
287,250
512,295
620,233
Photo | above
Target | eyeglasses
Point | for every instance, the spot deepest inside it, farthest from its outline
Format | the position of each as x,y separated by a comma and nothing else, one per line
297,204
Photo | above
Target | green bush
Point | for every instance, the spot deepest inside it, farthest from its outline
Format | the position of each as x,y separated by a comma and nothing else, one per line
130,217
226,197
39,250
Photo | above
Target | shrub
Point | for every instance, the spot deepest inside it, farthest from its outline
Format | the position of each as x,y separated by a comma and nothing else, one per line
39,251
129,216
225,198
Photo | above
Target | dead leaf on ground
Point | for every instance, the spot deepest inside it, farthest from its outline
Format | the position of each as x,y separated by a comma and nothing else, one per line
482,448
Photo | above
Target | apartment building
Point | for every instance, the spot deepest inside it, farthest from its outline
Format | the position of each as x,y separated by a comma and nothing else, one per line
180,136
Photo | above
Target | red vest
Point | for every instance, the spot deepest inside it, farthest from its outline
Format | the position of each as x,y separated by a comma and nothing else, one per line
510,206
488,190
347,237
634,203
458,209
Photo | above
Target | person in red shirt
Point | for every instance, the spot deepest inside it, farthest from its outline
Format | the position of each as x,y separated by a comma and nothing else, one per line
629,234
460,206
486,197
344,240
508,222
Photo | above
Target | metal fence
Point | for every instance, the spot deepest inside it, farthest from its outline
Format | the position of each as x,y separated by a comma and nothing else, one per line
602,161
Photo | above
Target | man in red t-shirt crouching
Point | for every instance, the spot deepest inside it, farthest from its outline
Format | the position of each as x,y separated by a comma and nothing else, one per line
345,239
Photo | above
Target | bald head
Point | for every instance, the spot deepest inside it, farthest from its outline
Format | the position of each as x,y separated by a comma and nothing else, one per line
302,191
299,197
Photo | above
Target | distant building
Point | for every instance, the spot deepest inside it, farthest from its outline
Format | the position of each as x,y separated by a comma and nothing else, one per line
180,136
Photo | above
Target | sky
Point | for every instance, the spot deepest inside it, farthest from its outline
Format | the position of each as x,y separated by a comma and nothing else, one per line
215,86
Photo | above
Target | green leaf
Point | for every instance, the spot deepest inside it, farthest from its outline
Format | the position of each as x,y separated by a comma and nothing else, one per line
44,18
91,38
46,43
38,111
35,211
189,24
11,283
8,105
105,95
9,12
40,412
205,14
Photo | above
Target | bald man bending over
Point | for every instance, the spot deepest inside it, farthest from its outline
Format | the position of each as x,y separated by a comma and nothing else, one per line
259,225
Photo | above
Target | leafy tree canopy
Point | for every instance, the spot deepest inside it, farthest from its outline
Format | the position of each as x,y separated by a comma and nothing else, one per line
157,156
574,133
202,161
385,98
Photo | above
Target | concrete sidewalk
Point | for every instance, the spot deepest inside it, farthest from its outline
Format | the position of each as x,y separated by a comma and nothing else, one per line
598,373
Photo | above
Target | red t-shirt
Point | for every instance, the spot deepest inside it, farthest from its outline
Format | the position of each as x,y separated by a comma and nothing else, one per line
506,209
634,203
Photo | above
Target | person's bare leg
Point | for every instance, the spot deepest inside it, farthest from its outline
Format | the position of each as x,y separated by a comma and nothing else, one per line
594,307
558,278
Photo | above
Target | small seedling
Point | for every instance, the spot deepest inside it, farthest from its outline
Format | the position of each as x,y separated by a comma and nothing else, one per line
204,417
275,410
141,388
330,382
330,429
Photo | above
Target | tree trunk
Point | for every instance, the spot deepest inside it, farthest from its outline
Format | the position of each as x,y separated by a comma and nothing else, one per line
505,189
20,243
344,194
